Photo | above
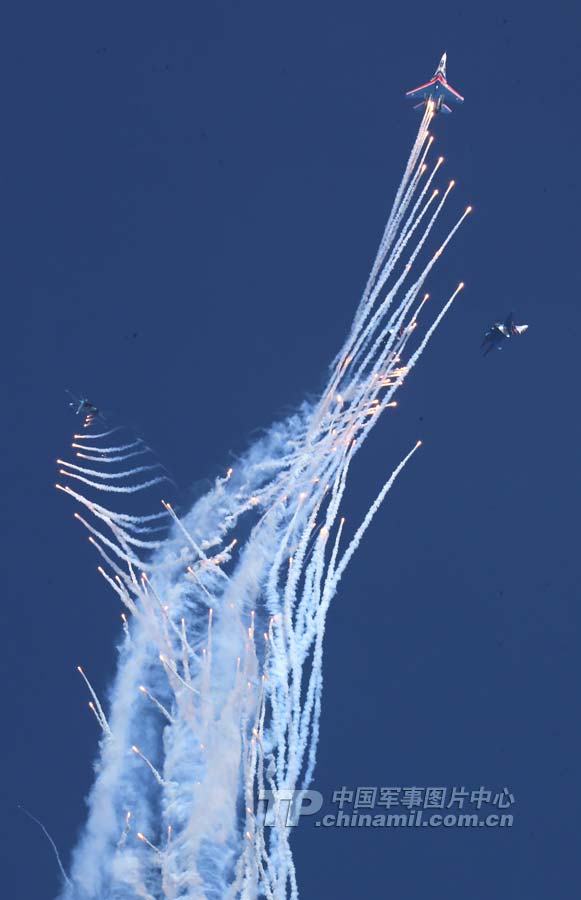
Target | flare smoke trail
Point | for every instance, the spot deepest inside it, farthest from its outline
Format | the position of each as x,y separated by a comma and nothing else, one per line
219,685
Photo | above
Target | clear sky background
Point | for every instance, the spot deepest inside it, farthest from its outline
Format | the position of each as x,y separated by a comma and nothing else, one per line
191,195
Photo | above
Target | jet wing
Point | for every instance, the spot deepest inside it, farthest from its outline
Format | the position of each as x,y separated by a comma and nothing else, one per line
436,86
423,91
450,93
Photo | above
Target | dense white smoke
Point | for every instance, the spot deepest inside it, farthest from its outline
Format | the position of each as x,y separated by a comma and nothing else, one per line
219,686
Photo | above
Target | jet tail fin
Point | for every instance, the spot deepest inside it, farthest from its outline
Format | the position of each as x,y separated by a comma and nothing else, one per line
509,322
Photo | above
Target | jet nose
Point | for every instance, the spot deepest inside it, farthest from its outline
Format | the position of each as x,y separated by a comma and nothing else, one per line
442,66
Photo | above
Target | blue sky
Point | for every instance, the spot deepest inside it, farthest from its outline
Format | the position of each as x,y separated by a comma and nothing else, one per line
191,196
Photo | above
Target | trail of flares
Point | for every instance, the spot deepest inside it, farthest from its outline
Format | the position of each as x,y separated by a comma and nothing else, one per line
98,709
115,489
219,687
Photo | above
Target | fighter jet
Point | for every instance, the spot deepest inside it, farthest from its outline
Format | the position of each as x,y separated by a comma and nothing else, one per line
436,90
499,333
83,406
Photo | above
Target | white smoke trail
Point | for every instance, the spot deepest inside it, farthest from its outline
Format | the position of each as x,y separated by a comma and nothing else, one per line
51,842
219,687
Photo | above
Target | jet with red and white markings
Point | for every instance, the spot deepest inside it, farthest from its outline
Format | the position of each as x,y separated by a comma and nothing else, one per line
437,91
